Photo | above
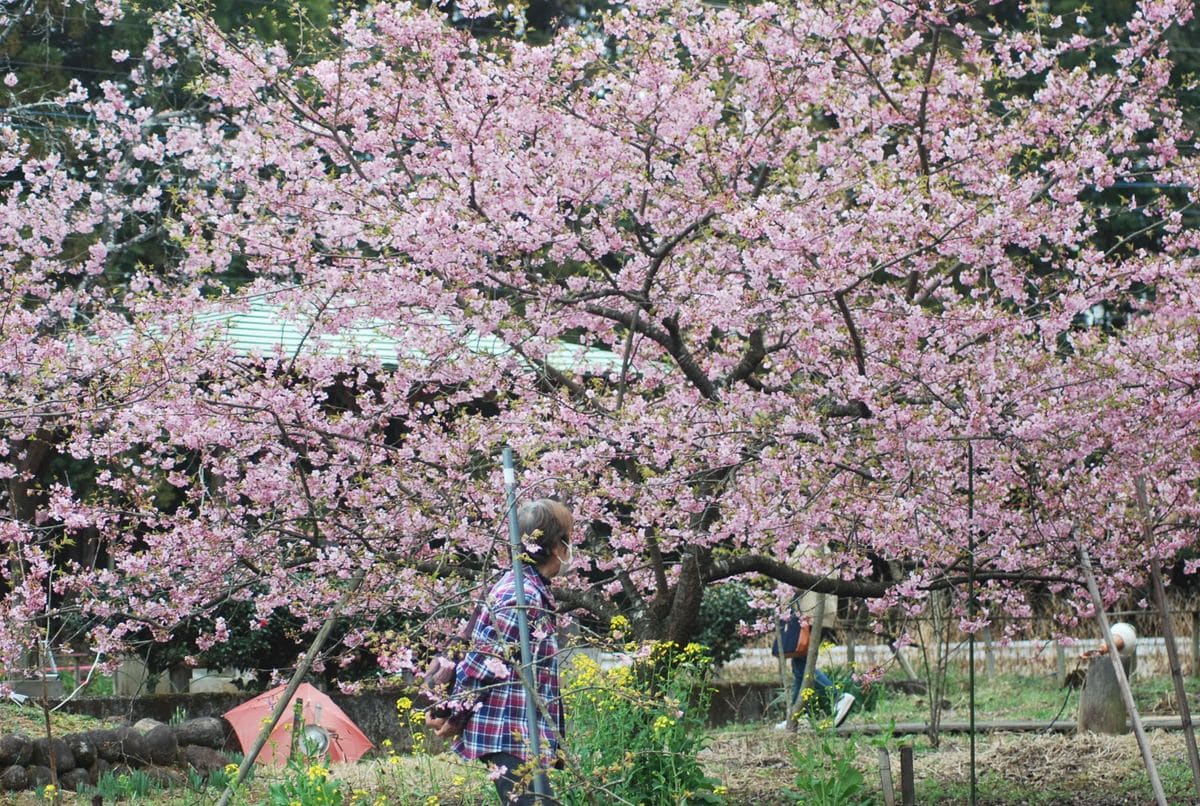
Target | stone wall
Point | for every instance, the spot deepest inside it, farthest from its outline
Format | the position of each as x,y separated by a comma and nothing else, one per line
165,753
375,711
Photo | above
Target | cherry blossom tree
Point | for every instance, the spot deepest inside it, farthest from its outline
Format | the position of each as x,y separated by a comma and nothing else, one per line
837,274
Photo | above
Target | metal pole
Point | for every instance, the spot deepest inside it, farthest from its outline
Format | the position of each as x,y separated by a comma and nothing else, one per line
1122,682
971,607
1168,631
514,535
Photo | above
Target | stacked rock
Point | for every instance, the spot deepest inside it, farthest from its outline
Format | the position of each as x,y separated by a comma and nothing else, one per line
163,752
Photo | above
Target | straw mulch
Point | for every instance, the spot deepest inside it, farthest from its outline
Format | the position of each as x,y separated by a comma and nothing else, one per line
1011,768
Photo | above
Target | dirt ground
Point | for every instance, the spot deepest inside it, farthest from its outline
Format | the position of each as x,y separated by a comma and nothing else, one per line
1024,768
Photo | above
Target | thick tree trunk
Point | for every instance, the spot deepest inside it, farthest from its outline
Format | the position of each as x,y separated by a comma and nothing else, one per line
683,621
38,452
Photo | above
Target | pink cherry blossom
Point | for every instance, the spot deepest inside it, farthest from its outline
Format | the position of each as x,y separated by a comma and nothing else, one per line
759,292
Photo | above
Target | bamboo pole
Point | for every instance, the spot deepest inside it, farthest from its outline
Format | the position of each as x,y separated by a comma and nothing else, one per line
1168,631
301,670
1122,682
1196,643
810,659
785,676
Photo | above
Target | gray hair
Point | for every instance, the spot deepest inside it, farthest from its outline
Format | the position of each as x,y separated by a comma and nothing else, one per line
546,523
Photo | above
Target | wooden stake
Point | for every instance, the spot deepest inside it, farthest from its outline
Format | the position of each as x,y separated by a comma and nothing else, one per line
908,785
1168,631
909,672
1196,643
989,654
886,786
814,646
1122,682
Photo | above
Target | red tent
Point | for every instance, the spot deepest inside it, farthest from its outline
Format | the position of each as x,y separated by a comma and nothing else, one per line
342,739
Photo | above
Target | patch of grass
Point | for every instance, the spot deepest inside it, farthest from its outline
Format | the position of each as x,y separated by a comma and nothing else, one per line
1006,696
28,719
1175,775
1154,693
993,788
1039,698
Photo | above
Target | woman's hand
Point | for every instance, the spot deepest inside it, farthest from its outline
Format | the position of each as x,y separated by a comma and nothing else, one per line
443,728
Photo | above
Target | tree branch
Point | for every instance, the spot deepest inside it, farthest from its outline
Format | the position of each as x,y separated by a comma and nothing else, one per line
684,359
855,340
858,588
751,360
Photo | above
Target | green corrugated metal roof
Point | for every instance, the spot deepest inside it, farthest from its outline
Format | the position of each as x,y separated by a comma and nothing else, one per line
267,329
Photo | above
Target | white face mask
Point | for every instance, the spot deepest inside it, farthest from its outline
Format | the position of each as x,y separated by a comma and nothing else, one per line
565,565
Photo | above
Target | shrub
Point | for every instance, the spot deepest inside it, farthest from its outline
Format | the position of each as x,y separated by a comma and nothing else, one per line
636,730
723,610
308,785
824,773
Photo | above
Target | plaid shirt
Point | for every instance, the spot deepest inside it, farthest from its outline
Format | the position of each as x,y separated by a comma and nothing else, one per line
487,679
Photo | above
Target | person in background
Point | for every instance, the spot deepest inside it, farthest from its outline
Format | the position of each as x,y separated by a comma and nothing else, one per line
794,632
490,723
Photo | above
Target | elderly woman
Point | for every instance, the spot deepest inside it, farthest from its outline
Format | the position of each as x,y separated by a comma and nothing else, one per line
492,724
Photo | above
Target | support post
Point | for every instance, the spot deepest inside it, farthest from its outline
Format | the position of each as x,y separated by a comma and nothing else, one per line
909,672
1122,682
810,659
851,632
293,684
1196,643
908,785
1168,632
785,676
972,610
989,654
540,786
886,787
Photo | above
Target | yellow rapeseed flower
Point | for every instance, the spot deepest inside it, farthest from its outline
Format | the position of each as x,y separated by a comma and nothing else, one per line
231,769
404,704
317,772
